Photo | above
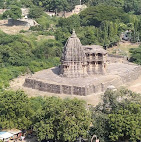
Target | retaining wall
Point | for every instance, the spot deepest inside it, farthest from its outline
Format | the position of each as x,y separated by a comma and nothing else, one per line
82,90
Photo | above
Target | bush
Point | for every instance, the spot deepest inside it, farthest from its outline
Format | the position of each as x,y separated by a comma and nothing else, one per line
44,22
1,17
23,31
36,28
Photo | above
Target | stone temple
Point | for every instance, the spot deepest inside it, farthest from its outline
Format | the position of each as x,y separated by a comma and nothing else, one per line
81,61
84,70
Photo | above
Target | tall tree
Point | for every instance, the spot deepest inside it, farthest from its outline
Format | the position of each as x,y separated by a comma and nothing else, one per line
52,5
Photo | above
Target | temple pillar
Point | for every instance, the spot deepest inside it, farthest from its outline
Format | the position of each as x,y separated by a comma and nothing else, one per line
93,69
96,67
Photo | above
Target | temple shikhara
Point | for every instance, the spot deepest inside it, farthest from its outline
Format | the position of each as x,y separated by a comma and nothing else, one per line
80,61
84,70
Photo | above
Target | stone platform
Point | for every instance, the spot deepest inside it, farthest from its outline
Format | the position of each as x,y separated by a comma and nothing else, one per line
49,80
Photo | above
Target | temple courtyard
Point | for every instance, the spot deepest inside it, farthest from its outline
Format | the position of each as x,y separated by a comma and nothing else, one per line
118,74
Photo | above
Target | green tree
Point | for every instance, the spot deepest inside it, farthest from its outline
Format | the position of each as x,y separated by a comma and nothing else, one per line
18,55
17,52
125,123
115,3
114,117
35,12
48,48
70,23
15,110
132,6
97,14
2,4
52,5
63,120
26,3
14,13
135,55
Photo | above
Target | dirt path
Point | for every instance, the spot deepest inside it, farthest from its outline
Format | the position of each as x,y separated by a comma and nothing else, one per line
17,84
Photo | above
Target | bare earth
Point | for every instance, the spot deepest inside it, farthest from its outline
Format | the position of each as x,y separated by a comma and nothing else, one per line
11,29
135,85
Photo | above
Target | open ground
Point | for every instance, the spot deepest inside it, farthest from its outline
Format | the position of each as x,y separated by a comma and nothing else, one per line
11,29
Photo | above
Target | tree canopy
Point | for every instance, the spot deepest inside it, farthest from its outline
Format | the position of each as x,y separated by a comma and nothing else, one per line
15,110
136,55
18,54
125,123
35,12
96,15
118,117
63,120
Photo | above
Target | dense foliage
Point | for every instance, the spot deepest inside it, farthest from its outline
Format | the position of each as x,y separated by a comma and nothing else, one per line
18,54
96,15
14,13
35,12
132,6
124,123
118,117
100,24
63,120
52,118
108,18
136,55
15,110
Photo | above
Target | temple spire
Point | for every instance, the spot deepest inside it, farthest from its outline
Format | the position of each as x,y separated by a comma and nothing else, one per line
73,34
73,58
